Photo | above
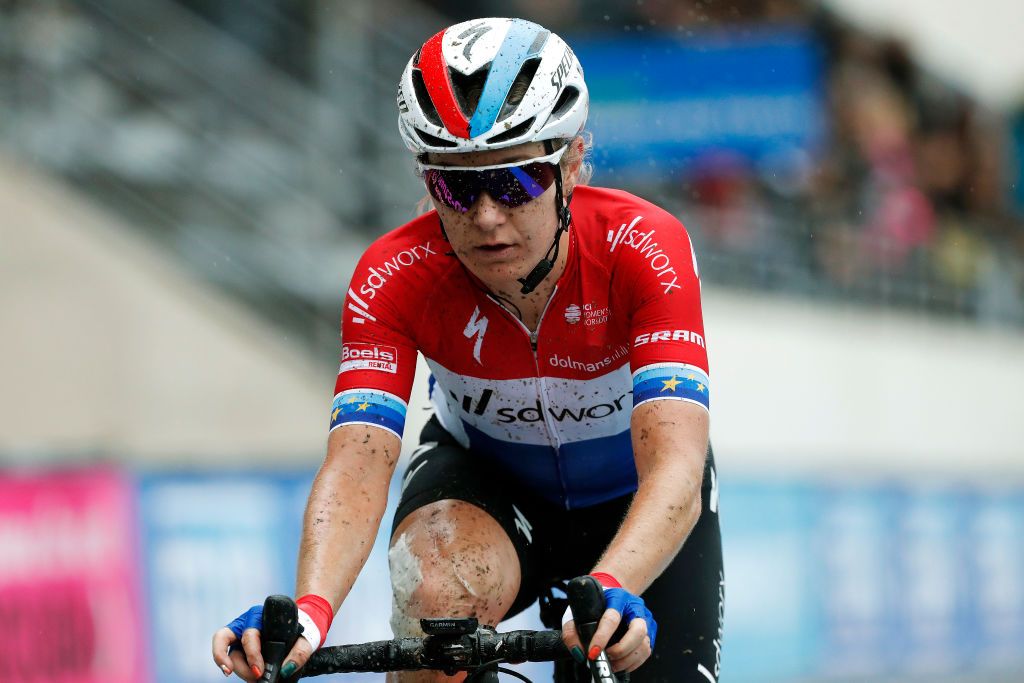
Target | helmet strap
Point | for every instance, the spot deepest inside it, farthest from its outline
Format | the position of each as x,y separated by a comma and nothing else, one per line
542,269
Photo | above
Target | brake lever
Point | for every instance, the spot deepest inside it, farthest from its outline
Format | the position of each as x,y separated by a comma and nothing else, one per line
280,630
586,599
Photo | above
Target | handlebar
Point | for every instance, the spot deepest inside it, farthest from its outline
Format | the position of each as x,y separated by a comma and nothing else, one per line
442,653
451,645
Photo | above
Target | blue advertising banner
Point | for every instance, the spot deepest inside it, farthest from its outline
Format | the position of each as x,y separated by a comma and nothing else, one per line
994,535
661,103
854,556
216,544
822,581
860,581
213,544
771,633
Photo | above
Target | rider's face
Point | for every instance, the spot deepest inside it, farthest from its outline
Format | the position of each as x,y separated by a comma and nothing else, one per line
497,243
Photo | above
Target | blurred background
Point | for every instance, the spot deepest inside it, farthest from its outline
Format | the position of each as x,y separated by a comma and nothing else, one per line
186,185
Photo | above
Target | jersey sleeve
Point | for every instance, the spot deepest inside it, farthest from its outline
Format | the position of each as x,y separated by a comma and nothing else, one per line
668,356
378,355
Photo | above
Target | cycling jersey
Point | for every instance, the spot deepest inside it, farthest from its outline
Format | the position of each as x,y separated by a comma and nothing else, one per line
622,327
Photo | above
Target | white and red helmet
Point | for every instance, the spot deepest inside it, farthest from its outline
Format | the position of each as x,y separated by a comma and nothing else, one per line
488,56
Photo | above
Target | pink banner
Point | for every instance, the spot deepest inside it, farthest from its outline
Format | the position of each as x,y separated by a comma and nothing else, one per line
70,607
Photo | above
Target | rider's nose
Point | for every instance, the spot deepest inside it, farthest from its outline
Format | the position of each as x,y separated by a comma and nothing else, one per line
488,213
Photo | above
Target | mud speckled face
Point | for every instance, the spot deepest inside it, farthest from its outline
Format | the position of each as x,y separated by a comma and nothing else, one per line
496,243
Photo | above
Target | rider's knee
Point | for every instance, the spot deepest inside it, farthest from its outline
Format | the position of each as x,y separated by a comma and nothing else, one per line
448,562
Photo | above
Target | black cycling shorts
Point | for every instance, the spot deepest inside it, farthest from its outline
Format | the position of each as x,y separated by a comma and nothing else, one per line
553,543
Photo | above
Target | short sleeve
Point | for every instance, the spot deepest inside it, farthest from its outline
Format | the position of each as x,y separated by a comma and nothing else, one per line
378,354
668,354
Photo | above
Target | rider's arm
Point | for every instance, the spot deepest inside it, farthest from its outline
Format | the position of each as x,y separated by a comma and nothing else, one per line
670,441
345,507
349,494
656,269
669,424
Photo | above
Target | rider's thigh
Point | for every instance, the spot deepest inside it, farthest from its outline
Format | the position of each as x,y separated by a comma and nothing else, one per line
450,558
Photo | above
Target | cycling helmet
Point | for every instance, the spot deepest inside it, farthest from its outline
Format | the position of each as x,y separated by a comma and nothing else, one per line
455,92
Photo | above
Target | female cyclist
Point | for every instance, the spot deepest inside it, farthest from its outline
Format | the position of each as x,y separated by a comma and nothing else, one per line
562,326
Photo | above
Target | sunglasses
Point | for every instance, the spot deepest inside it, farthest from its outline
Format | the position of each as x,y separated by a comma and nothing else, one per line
512,184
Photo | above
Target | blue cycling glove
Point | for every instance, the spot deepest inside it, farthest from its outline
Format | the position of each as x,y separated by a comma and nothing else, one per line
630,607
252,618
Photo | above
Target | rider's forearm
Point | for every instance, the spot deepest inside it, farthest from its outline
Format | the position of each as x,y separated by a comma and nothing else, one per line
344,510
669,444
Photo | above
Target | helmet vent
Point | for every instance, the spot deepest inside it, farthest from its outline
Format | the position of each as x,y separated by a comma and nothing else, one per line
423,98
513,132
565,102
468,89
432,140
520,86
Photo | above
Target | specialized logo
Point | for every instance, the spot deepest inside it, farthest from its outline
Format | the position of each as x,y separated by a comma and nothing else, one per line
563,69
669,335
523,525
713,499
570,363
477,31
403,107
359,356
414,466
476,327
656,257
717,642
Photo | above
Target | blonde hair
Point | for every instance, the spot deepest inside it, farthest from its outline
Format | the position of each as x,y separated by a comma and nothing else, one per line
575,155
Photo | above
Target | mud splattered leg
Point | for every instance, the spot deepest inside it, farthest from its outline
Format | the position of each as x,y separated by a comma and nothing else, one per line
449,559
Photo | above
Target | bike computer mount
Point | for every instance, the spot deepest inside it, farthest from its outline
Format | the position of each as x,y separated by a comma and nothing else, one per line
453,626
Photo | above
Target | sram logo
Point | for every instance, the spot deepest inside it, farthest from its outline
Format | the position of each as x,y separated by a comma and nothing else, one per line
669,335
359,356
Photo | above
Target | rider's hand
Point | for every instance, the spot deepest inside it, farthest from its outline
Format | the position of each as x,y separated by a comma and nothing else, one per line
636,644
236,648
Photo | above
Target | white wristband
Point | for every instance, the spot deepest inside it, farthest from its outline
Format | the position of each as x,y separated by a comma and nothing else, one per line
309,630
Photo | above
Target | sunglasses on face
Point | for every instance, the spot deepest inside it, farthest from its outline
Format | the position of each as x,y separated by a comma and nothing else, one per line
512,184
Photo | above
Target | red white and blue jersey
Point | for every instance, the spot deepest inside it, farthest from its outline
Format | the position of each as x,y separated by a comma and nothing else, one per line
623,327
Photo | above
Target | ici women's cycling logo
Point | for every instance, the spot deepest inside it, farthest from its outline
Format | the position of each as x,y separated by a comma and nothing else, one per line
591,314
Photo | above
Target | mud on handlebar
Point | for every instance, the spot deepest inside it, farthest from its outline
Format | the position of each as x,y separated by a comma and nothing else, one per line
450,645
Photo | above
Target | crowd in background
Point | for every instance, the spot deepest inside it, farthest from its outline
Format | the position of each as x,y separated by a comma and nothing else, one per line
908,201
914,181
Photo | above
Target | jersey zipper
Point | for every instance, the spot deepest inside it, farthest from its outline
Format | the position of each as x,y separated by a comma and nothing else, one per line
542,394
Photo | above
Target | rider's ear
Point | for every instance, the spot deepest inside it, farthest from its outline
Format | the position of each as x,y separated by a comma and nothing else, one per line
571,164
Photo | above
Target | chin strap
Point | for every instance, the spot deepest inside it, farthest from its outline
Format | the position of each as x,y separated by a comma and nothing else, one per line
541,270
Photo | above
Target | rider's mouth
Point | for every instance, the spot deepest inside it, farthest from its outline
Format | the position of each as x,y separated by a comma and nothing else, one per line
496,249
